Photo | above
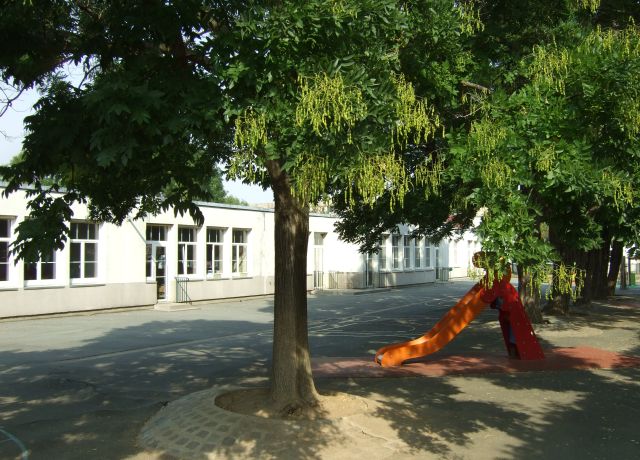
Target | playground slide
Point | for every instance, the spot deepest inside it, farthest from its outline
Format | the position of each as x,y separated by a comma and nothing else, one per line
441,334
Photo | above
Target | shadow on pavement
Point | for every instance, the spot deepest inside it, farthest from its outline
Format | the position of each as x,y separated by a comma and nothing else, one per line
76,402
80,402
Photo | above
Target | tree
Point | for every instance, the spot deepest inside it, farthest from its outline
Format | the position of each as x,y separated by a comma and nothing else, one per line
217,193
307,98
560,151
538,150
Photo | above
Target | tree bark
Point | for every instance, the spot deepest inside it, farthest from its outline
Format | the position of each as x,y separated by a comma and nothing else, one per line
559,303
614,267
292,386
600,276
623,273
529,295
586,261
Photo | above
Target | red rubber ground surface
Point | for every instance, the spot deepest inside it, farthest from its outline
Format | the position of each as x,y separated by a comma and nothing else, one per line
556,359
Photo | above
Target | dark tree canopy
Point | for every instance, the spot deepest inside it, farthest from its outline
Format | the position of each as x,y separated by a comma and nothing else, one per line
312,99
546,144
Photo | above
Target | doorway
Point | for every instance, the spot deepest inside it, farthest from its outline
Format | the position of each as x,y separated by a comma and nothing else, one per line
369,270
318,260
156,266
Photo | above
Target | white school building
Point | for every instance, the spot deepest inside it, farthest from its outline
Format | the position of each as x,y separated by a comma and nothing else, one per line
166,259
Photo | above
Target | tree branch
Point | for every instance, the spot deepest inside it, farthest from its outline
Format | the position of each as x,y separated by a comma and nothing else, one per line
7,100
469,84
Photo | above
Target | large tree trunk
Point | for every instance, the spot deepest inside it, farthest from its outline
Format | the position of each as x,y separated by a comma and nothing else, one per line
529,295
558,303
586,261
292,386
614,267
601,282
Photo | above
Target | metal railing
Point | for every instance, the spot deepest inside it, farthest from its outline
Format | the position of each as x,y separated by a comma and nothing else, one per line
443,273
334,280
318,280
182,295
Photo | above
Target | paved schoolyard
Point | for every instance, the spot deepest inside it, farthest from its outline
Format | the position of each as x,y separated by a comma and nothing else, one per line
83,386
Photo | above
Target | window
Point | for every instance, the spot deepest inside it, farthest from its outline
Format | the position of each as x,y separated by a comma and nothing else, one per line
382,255
214,250
5,234
186,250
156,251
156,232
239,251
318,251
395,251
318,260
84,250
427,253
454,256
406,260
44,269
418,252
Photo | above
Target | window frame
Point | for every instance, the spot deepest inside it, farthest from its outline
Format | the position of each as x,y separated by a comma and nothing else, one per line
428,262
84,243
235,249
8,263
182,263
383,259
406,252
39,280
155,235
418,252
210,257
395,252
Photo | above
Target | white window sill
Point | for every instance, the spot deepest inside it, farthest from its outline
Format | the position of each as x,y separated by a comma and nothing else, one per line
241,276
86,282
218,278
43,285
8,286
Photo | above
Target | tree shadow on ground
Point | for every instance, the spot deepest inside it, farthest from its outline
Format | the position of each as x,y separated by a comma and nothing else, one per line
555,415
551,414
74,402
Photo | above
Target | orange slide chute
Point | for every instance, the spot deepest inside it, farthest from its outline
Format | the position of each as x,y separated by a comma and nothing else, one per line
441,334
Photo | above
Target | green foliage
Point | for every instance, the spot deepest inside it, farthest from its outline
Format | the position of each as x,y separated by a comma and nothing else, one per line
548,139
328,105
557,150
214,191
333,92
143,131
334,68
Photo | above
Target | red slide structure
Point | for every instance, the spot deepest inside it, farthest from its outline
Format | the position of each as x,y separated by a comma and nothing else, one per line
519,338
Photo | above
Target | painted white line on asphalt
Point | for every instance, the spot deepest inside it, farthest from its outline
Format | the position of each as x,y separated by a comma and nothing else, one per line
24,453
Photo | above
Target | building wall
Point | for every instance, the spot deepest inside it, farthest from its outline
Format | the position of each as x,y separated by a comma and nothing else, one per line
460,252
129,260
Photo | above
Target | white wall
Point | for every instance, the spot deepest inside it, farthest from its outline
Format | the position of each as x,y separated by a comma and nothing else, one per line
122,280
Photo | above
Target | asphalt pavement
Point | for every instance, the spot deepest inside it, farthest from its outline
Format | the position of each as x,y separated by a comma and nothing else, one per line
83,386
